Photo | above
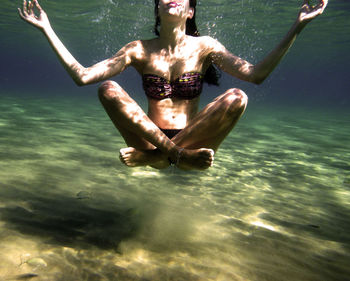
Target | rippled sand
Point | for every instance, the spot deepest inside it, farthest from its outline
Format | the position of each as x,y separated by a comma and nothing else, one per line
275,206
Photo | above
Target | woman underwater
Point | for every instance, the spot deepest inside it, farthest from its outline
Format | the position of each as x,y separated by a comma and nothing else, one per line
173,67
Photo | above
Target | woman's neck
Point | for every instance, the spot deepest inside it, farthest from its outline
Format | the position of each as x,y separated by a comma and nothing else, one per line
172,34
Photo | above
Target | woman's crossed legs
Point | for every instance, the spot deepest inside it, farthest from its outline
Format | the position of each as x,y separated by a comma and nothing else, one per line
192,148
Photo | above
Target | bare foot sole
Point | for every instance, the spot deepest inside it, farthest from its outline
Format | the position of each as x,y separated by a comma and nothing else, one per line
132,157
195,159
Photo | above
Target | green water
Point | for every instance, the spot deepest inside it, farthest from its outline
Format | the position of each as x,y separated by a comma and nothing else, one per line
275,205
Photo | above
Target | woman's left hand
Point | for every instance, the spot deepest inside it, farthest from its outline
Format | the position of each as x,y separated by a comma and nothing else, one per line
308,12
41,22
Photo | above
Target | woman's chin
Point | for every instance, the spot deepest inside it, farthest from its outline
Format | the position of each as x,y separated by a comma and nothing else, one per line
171,15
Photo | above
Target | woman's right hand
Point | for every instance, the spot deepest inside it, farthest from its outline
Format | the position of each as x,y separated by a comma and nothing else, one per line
41,22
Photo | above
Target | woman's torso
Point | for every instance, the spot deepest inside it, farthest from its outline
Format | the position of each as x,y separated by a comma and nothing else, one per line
167,65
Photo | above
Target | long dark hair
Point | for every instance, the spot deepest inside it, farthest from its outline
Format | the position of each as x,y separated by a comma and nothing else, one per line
212,74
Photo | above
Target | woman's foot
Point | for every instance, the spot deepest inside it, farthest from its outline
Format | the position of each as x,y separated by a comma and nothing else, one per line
133,157
195,159
186,159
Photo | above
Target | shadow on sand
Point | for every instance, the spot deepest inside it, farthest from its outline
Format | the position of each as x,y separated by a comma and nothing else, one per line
67,220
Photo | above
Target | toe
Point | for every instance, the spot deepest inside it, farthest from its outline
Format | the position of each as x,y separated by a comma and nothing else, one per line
127,150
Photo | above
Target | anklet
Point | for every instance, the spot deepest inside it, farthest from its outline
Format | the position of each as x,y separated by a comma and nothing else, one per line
177,159
178,156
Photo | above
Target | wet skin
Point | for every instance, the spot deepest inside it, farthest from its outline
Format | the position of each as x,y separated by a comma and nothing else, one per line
169,56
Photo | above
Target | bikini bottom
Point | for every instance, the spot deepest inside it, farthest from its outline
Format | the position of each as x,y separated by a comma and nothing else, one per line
170,133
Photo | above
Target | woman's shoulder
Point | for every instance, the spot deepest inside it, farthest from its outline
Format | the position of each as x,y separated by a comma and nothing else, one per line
138,51
209,43
134,45
140,45
135,49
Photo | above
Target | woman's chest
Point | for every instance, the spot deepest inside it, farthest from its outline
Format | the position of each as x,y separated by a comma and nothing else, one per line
172,64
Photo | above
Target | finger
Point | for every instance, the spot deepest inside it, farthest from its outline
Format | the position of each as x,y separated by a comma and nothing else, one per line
31,10
37,5
319,8
324,2
25,10
31,3
20,13
324,5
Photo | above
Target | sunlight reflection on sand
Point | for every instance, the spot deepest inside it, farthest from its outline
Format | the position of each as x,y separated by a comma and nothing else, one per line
271,197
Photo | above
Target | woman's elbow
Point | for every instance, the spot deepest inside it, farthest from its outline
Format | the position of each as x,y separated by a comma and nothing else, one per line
258,80
257,75
255,80
253,76
81,80
81,76
79,83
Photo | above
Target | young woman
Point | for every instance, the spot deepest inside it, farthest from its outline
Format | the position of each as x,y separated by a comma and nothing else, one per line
173,67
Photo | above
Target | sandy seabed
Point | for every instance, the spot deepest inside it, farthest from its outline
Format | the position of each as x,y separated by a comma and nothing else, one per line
275,206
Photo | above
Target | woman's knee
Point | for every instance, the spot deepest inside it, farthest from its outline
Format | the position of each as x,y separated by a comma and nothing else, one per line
235,99
109,90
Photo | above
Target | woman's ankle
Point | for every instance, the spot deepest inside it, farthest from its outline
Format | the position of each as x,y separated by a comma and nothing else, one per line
175,154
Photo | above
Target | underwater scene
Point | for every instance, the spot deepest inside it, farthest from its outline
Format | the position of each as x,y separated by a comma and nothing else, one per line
275,206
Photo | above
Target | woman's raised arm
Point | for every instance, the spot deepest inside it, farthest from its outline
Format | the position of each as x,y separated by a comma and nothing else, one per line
259,72
81,75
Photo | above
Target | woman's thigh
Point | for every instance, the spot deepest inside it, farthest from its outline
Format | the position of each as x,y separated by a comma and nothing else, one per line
214,122
122,109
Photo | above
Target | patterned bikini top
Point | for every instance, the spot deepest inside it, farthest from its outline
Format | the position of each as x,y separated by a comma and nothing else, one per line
187,86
